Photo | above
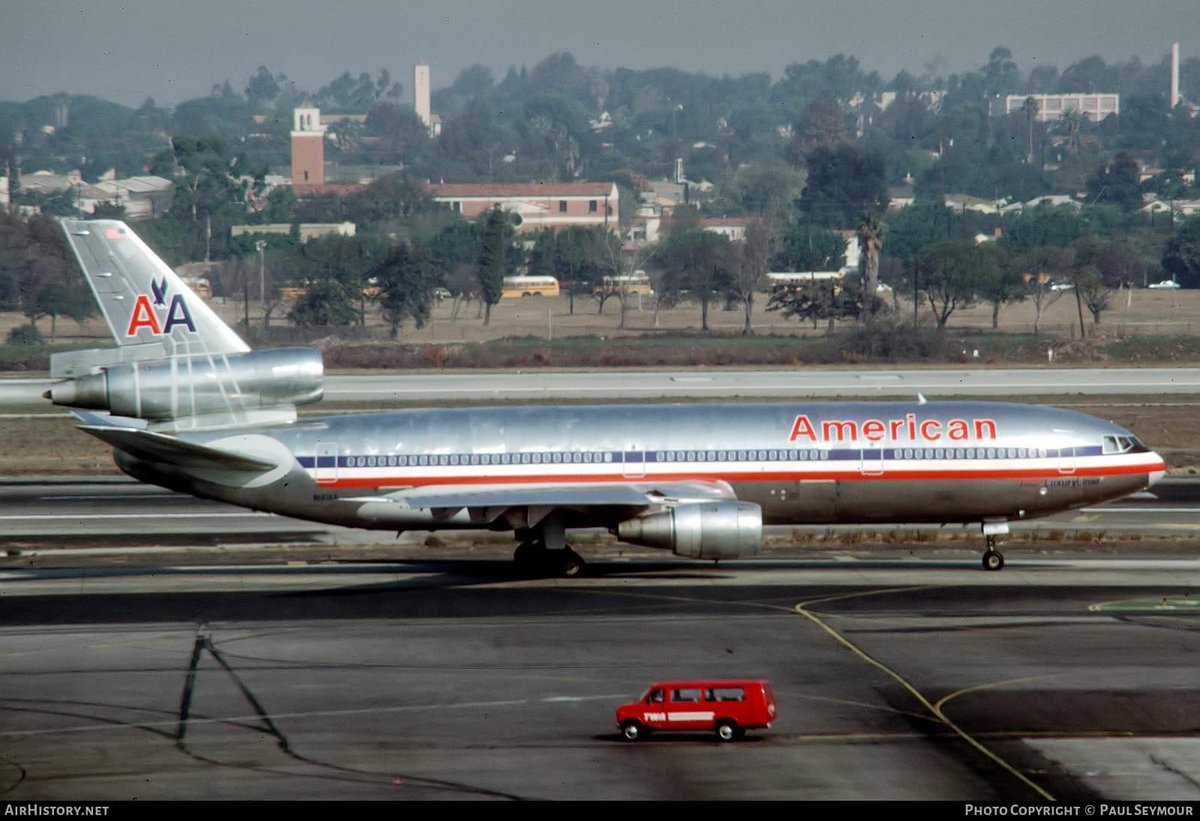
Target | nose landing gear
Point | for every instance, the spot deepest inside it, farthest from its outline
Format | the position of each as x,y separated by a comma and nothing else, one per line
993,559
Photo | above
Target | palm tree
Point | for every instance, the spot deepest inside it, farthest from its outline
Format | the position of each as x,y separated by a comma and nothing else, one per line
1070,127
870,241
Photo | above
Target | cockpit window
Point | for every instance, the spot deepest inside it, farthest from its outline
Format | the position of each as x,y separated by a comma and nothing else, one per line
1136,446
1123,444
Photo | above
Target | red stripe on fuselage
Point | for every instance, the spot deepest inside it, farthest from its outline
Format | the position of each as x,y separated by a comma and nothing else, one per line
774,476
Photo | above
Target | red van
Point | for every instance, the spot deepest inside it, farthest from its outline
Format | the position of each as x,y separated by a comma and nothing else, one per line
727,708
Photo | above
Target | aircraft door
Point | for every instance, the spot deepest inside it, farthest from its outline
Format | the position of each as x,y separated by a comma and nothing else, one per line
871,463
326,465
1066,460
634,466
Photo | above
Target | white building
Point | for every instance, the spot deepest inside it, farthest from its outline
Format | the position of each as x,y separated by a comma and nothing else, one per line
1051,107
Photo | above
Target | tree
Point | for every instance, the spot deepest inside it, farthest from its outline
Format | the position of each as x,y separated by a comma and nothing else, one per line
405,278
695,267
915,226
39,273
455,253
1093,277
822,126
999,282
263,87
1040,269
1181,258
1045,225
947,273
765,188
1117,183
844,183
750,261
495,259
804,247
326,303
579,260
818,299
400,133
1000,74
870,242
617,267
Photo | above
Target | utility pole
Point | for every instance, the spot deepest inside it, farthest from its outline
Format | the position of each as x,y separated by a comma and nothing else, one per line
261,245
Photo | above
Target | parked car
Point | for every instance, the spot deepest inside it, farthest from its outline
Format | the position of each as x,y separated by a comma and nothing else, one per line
1165,285
726,708
1062,286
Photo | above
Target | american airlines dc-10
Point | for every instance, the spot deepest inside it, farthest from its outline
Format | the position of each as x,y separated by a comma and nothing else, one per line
187,405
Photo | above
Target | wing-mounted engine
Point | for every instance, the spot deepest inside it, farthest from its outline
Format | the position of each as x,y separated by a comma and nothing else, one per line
709,530
193,392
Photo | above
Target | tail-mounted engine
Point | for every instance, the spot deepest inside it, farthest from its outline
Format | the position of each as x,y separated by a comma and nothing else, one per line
709,530
211,387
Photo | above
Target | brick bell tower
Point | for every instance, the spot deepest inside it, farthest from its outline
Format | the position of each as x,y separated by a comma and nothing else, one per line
308,150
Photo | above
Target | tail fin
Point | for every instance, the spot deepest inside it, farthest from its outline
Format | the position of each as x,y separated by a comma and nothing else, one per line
176,364
142,299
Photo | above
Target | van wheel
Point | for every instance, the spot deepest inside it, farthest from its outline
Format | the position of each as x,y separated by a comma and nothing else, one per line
631,730
727,731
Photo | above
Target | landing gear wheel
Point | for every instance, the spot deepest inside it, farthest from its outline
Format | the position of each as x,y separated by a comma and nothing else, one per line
631,731
993,560
727,731
527,554
570,564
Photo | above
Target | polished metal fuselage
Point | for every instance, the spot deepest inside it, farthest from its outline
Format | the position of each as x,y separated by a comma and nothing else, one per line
803,463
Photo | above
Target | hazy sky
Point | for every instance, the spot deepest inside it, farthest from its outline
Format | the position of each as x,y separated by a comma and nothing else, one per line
173,50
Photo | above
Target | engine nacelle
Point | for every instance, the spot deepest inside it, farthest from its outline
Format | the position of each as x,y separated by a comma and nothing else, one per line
709,530
162,389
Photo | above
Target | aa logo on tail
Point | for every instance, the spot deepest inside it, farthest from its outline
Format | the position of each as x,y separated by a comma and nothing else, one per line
145,314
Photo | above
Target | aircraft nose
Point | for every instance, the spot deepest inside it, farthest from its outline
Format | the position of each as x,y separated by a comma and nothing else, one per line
1156,475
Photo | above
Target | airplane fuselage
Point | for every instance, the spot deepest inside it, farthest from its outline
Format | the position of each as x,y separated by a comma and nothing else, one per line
837,463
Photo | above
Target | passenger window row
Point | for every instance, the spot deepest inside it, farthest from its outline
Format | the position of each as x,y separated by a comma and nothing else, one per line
1117,445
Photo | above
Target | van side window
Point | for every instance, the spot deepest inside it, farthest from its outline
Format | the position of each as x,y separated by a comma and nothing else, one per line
656,697
685,695
729,694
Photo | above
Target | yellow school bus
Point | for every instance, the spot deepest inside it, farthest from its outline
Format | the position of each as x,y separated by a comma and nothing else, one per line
199,285
517,287
636,283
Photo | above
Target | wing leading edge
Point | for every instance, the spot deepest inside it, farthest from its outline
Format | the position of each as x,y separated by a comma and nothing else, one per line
632,494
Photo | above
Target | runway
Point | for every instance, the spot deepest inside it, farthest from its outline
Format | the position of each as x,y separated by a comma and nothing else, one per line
607,385
1066,680
58,519
610,385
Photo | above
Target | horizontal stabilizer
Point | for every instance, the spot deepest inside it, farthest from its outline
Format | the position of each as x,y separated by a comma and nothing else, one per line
157,447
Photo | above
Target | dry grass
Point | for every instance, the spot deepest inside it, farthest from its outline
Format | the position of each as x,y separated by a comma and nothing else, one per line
50,445
1133,313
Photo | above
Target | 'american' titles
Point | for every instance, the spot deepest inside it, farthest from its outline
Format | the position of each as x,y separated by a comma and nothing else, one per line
909,428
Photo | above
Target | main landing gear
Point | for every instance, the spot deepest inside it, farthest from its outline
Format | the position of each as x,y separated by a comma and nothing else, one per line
533,556
993,559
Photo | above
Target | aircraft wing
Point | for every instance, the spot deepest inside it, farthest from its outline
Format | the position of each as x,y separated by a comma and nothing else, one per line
624,494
